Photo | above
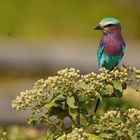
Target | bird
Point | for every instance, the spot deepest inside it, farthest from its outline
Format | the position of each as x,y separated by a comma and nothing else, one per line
112,44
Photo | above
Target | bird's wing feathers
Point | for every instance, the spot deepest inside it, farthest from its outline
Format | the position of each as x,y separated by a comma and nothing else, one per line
100,51
107,61
122,52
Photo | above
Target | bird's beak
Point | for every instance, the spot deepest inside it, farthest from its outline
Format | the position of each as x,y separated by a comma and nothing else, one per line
98,28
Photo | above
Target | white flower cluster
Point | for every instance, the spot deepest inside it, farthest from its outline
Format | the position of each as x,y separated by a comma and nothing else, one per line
97,83
31,98
133,117
137,72
76,134
27,99
69,81
119,123
44,90
119,74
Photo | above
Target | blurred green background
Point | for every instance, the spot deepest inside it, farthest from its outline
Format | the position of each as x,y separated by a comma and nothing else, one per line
39,37
71,18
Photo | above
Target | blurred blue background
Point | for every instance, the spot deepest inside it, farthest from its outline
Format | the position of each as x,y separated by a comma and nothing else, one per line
39,37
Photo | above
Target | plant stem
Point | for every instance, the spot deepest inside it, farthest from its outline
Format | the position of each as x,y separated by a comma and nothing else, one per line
96,106
78,117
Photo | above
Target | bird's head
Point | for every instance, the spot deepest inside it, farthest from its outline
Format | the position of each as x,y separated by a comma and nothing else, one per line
108,25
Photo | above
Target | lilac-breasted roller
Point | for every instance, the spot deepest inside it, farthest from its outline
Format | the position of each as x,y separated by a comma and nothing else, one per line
112,45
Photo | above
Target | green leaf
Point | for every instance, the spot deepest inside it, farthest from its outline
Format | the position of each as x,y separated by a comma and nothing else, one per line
109,90
118,89
31,120
57,111
71,102
91,121
106,136
138,132
52,103
99,96
84,112
59,97
117,93
81,97
117,85
96,137
73,113
48,137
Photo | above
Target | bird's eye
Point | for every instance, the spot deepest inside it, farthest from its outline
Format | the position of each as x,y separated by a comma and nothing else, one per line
108,25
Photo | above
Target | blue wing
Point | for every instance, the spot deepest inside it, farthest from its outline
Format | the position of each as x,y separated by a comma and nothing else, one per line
122,53
100,51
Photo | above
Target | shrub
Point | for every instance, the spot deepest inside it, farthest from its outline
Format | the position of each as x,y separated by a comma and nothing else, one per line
69,95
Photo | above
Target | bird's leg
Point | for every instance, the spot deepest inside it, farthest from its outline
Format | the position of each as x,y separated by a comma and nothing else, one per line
96,106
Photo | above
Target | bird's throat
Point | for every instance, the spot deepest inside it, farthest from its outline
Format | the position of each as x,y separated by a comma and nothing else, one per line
112,43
